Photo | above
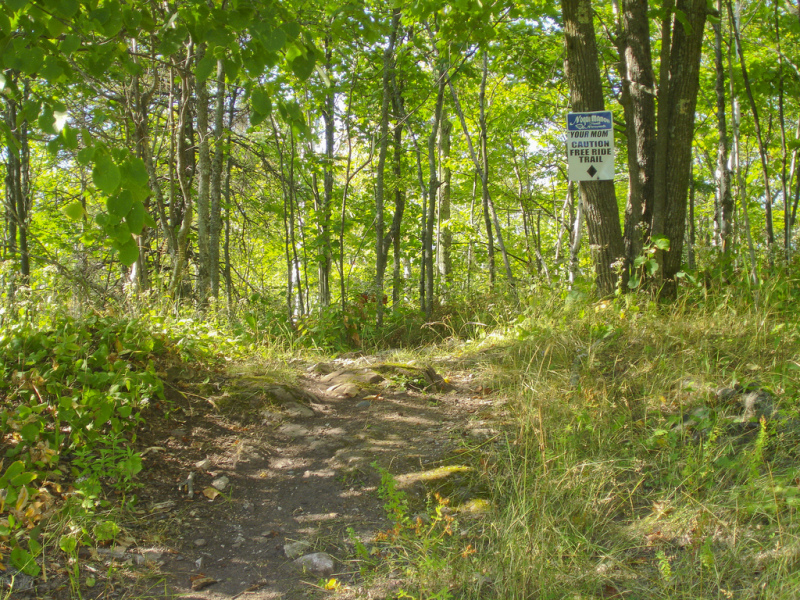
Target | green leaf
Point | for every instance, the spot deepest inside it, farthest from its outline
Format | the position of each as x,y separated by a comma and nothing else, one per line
135,218
205,67
85,155
69,44
2,82
661,242
149,220
134,172
30,432
24,562
120,204
303,65
32,60
68,544
681,16
128,252
633,281
22,479
70,136
13,470
16,5
68,8
274,41
261,102
652,267
292,30
106,175
74,211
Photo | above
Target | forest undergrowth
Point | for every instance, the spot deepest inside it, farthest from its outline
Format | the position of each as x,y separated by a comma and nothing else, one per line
653,450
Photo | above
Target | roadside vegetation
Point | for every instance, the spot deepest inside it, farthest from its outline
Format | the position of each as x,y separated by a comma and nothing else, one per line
648,450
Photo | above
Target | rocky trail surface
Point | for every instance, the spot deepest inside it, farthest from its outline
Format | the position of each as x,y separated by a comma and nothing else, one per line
256,490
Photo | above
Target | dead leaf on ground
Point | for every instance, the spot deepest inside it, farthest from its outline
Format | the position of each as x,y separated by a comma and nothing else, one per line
211,493
201,581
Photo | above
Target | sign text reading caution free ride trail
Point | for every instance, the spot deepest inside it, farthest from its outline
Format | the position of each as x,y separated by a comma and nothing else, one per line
590,146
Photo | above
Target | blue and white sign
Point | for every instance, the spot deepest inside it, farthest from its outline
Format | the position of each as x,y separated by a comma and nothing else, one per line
590,146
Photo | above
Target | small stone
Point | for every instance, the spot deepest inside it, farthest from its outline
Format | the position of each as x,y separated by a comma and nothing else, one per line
200,542
758,404
178,433
201,581
294,550
161,506
247,506
113,552
481,433
364,404
200,562
220,483
319,564
203,465
295,409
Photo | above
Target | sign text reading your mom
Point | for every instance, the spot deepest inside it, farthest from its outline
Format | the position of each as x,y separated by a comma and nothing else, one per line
590,146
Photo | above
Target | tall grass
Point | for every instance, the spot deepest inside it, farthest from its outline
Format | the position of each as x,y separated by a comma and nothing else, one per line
627,476
625,473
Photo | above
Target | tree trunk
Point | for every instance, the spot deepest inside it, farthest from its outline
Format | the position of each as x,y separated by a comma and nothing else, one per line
445,243
399,192
383,141
586,91
762,149
328,116
725,198
433,188
684,82
639,95
215,208
203,186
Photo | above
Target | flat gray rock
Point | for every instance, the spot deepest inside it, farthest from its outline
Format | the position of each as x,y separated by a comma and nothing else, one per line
295,409
319,564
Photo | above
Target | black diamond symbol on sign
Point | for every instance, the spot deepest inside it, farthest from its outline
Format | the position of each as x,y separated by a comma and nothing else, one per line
592,171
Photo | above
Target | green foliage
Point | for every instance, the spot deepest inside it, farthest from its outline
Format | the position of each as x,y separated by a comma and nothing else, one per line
73,391
425,548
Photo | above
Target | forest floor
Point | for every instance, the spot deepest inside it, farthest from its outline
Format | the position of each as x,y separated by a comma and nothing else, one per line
297,453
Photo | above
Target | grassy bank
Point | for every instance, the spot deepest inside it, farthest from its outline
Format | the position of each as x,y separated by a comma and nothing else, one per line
653,453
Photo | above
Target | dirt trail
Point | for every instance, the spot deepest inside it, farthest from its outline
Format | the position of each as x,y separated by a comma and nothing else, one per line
298,461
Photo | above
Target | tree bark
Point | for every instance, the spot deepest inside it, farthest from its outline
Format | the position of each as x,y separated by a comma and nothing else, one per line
215,192
685,54
723,175
445,263
586,91
203,187
762,149
329,118
383,141
639,93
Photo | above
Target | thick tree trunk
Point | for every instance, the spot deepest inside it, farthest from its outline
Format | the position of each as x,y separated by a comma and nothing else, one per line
685,54
639,93
586,91
182,217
